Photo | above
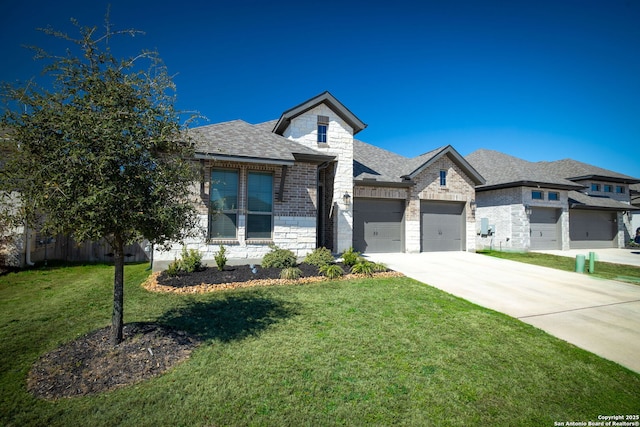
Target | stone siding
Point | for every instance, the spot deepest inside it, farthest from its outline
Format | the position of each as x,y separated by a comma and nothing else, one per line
304,130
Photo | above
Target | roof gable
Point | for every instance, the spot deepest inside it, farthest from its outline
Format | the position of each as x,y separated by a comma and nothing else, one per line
422,162
324,98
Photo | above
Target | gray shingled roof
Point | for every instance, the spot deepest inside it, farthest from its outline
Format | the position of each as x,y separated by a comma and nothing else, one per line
573,169
503,170
578,200
373,163
239,139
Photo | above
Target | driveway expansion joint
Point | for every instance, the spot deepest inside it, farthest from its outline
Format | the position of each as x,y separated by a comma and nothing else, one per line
577,309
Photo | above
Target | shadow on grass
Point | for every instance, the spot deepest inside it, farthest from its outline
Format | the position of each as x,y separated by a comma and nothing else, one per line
232,318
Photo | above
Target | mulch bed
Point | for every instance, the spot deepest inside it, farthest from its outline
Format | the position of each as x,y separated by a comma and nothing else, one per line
211,279
91,365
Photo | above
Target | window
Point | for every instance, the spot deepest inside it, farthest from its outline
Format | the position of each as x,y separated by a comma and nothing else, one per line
223,215
443,178
608,188
259,205
554,195
537,195
323,124
620,189
595,187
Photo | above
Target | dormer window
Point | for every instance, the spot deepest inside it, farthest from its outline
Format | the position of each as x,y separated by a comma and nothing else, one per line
323,125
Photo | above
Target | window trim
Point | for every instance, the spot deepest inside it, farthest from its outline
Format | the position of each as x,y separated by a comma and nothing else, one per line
620,189
533,192
323,129
260,213
556,195
608,188
443,178
235,211
595,187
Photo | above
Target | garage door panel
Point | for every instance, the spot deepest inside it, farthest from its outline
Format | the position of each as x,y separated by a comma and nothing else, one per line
592,229
545,228
378,225
442,226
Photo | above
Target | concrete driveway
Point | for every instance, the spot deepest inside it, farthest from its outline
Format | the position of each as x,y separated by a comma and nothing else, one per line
601,316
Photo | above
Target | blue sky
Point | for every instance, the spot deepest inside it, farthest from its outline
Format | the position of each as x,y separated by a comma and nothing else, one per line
540,79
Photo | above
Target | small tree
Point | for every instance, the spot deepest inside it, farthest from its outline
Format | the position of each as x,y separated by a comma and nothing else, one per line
101,152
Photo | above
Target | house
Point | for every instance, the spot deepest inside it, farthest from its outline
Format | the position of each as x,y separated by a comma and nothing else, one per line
303,181
562,204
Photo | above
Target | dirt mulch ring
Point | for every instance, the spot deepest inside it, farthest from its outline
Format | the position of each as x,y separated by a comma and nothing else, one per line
241,276
91,365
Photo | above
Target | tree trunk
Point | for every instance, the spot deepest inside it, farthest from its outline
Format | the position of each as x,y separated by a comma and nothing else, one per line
118,291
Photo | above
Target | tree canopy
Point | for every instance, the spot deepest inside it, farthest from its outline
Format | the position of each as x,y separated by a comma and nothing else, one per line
99,150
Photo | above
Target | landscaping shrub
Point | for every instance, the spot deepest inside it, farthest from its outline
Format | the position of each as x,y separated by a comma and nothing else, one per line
350,257
220,257
290,273
190,261
331,271
279,258
363,267
319,257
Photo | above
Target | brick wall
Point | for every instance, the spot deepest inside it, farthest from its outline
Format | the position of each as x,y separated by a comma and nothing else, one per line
459,188
294,218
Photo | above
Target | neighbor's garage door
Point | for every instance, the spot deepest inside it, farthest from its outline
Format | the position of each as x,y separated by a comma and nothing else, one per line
545,228
592,229
377,225
442,226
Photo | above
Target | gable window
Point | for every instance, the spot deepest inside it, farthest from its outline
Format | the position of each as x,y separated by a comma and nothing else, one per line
323,125
443,178
259,205
553,195
608,188
537,195
595,187
620,189
223,215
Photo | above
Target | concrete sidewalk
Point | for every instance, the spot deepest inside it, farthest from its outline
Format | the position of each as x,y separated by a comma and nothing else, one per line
601,316
615,256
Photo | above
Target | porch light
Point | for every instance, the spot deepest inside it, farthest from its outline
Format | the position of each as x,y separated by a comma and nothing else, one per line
528,210
346,199
472,205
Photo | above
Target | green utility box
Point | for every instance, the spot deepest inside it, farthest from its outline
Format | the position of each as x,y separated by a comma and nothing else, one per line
580,263
592,262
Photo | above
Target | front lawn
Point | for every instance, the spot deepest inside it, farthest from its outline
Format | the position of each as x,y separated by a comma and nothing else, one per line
603,270
360,352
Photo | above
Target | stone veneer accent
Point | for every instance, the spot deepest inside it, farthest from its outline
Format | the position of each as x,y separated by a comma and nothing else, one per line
303,129
294,218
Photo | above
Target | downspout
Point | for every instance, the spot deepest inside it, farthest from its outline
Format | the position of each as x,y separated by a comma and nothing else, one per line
27,235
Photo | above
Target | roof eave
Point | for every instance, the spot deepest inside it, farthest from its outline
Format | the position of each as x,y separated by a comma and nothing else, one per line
619,180
525,183
243,159
313,158
327,98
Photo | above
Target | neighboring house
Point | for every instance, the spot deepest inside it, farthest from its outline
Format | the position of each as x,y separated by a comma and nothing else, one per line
303,181
563,204
635,202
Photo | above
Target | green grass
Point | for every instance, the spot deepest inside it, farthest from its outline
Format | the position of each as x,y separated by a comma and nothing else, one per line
603,270
361,352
